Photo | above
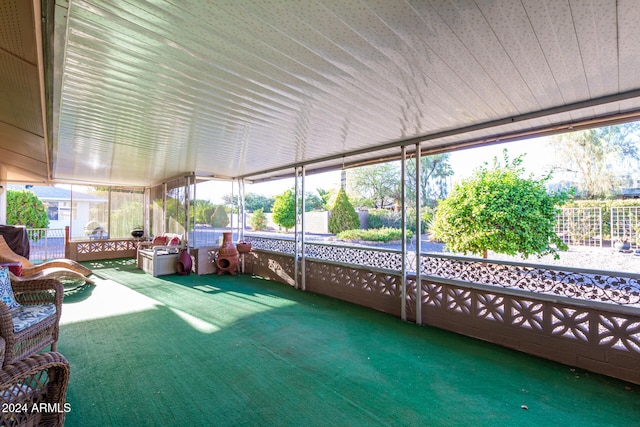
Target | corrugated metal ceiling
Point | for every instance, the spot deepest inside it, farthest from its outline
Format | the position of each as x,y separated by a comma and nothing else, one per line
23,153
147,90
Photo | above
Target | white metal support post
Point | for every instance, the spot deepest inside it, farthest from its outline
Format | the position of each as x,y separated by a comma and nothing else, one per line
109,231
295,234
146,214
192,194
418,238
302,234
241,214
71,216
403,208
240,219
186,220
233,200
164,209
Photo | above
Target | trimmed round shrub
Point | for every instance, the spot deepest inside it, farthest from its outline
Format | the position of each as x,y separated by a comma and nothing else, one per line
258,220
220,218
343,215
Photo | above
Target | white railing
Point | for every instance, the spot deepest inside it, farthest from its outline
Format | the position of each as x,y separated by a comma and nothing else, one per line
586,284
45,243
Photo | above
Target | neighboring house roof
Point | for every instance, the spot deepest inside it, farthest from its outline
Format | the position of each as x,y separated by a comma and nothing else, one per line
47,193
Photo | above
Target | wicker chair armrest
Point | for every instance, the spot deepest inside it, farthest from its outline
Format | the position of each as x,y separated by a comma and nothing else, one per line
46,372
6,322
13,373
39,291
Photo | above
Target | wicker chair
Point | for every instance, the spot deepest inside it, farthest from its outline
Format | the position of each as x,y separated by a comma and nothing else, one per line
28,268
33,335
35,388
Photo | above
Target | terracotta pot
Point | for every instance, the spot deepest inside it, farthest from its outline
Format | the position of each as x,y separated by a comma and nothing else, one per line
227,260
243,247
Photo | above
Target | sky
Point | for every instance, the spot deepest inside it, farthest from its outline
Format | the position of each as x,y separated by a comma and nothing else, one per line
537,160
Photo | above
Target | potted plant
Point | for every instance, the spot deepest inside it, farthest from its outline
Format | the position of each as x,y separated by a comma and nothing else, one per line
243,246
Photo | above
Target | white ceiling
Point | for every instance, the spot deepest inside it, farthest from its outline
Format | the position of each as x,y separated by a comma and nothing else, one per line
23,153
142,91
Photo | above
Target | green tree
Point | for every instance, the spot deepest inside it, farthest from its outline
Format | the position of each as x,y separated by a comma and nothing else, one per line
204,211
498,209
378,185
600,161
24,208
343,215
258,220
432,182
125,217
252,201
220,218
325,195
175,212
313,202
284,209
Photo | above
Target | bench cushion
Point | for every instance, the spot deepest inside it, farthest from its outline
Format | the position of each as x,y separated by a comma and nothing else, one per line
159,241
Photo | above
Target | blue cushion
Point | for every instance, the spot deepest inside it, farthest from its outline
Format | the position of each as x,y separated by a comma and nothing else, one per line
6,291
16,393
25,316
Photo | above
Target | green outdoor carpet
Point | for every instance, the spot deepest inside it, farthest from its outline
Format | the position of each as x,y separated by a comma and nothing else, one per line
221,350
